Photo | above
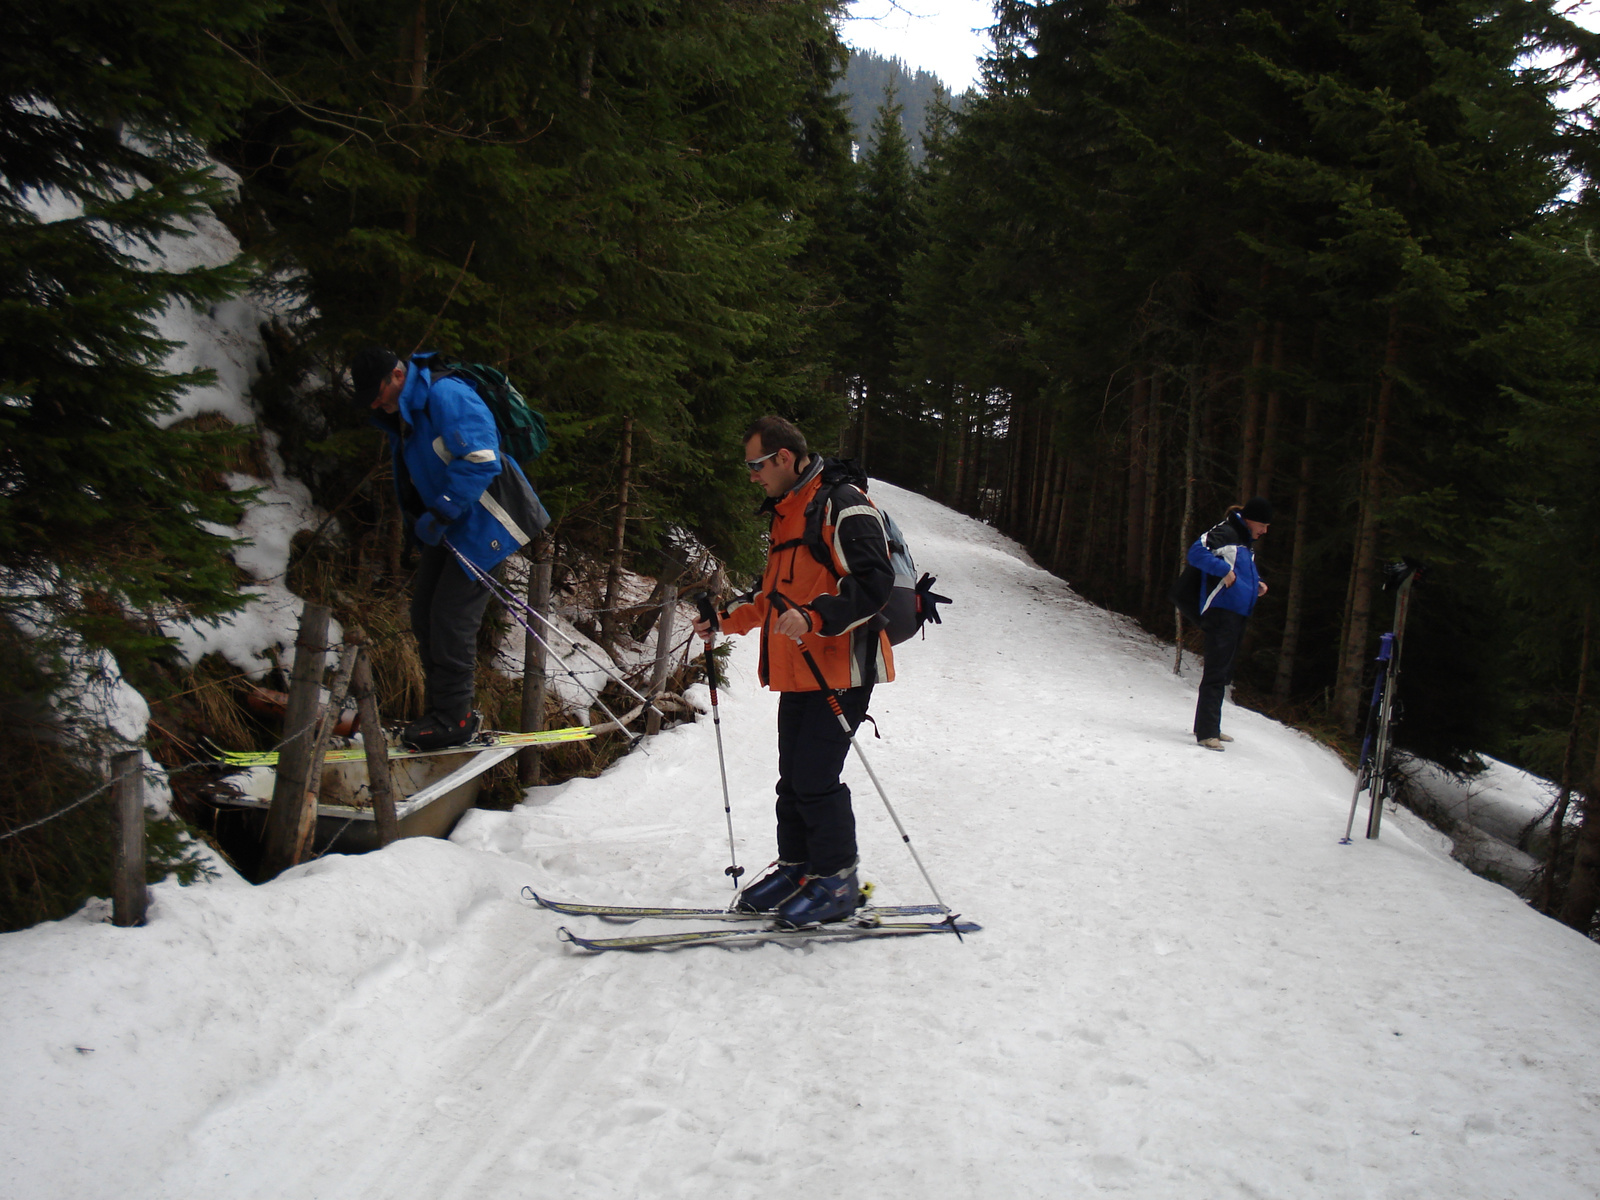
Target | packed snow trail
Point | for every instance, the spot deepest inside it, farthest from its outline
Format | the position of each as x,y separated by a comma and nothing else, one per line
1184,986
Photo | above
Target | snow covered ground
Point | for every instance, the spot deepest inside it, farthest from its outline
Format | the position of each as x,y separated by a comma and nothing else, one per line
1184,987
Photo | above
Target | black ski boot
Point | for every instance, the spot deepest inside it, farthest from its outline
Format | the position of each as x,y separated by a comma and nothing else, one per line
772,889
822,898
436,731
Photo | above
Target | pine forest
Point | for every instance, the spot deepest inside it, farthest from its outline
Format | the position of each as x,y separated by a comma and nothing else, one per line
1167,258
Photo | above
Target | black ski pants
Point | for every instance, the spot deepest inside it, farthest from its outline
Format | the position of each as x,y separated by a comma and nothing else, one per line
1224,630
816,825
447,607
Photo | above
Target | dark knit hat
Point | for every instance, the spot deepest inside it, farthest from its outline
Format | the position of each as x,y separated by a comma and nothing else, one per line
368,369
1257,510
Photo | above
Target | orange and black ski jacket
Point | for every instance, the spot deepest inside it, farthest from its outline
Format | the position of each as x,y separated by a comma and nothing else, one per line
842,599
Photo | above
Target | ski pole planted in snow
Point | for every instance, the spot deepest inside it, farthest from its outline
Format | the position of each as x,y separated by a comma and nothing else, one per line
709,616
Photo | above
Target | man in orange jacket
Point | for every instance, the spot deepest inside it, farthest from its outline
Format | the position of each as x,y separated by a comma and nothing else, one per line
821,594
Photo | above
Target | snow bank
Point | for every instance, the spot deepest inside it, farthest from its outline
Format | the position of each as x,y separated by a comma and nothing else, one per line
1486,815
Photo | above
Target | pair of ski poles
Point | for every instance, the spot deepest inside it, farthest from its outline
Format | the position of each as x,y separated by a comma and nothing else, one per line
514,602
708,614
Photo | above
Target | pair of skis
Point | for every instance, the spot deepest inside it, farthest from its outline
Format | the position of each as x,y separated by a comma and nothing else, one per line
869,921
484,741
1374,774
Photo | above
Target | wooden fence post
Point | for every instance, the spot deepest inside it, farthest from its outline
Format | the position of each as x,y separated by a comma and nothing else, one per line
307,825
658,676
377,748
533,665
299,729
129,897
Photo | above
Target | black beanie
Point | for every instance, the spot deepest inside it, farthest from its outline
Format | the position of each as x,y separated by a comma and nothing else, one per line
368,369
1257,510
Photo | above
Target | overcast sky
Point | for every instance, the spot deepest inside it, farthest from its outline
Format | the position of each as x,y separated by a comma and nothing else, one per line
936,35
944,36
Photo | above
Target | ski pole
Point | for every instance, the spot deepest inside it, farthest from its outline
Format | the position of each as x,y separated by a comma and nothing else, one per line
510,597
709,616
505,595
844,724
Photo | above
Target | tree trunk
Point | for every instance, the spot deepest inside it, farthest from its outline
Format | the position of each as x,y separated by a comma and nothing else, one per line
1269,436
534,664
1152,475
1250,426
619,536
585,79
1295,603
416,86
1363,568
1040,485
1058,557
1583,885
1137,407
1191,449
1558,818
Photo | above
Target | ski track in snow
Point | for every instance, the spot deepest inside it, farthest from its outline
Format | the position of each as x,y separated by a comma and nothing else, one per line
1184,987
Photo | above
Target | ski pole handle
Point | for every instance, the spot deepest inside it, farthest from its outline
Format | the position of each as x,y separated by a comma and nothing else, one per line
707,613
702,602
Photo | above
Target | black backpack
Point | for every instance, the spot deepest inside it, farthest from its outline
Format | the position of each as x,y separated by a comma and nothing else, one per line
1185,594
913,603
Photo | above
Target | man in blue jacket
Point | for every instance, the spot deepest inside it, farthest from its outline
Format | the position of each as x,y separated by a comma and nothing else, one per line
1229,589
461,495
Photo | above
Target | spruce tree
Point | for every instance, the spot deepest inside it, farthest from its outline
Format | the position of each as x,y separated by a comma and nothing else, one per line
105,510
608,205
109,513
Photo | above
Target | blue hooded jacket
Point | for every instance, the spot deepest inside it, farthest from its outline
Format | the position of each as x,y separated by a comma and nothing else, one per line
446,440
1214,566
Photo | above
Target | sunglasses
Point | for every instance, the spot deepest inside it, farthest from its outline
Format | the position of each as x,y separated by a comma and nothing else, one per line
754,464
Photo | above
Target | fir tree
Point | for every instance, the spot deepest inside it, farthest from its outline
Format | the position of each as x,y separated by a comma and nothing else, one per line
108,512
105,507
608,205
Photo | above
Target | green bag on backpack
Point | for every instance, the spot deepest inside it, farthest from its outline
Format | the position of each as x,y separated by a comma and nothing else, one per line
522,429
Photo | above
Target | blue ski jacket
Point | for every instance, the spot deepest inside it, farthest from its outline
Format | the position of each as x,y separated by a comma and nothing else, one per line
1211,555
447,443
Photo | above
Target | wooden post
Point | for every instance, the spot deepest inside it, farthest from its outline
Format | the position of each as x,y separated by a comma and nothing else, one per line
129,896
658,677
377,748
294,759
533,665
319,748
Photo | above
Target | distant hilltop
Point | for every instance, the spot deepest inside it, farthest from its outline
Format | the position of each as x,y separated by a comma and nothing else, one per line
867,80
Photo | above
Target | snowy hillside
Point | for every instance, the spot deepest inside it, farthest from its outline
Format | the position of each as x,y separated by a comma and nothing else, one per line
1184,988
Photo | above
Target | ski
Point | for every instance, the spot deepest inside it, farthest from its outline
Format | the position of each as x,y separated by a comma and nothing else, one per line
841,932
484,741
642,912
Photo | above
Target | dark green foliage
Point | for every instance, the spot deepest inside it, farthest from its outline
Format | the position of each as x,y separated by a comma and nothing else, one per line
100,130
1313,236
885,234
106,505
613,204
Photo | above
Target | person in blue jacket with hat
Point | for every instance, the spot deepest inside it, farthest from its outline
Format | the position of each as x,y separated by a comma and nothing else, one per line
1229,589
462,496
